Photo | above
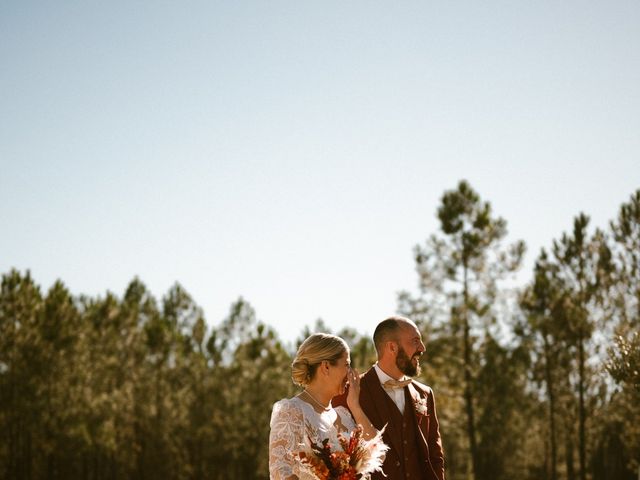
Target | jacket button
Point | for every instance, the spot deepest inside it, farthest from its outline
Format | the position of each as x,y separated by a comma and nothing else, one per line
397,464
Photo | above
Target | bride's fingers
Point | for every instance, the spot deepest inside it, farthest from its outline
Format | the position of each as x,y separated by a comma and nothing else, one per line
354,378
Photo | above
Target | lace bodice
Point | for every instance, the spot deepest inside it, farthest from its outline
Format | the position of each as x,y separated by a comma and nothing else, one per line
289,421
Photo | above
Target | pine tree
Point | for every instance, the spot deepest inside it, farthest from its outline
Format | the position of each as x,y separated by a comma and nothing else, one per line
460,268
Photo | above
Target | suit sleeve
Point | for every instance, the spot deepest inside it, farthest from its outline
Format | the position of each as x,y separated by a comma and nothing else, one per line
436,453
341,400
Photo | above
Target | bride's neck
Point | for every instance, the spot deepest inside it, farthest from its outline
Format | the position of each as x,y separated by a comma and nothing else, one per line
319,395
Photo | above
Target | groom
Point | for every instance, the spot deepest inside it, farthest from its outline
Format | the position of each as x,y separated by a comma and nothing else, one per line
390,397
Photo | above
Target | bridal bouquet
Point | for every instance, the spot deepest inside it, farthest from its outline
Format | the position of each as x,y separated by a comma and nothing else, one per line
357,460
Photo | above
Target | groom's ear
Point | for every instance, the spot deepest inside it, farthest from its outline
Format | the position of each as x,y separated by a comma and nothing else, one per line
393,348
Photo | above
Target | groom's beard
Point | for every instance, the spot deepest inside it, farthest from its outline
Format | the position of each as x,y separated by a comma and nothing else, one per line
403,362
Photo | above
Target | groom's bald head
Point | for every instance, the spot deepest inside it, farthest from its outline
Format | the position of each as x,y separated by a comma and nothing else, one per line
389,330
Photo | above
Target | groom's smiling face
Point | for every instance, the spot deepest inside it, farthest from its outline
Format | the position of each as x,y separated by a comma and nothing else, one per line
410,349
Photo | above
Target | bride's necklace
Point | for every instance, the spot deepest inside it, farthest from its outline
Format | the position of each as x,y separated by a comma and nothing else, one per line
326,409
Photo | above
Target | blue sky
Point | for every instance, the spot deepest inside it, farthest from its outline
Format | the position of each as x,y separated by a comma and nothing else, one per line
294,152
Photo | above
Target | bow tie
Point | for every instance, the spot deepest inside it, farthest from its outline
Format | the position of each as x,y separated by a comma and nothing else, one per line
391,384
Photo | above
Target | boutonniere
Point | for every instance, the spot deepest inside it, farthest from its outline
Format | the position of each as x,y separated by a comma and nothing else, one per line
421,407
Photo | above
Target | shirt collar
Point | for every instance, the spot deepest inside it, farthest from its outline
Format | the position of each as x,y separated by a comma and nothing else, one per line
383,377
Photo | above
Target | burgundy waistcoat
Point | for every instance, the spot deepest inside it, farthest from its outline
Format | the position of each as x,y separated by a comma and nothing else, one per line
395,467
415,447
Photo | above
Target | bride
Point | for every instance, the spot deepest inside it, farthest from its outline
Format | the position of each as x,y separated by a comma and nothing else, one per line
322,368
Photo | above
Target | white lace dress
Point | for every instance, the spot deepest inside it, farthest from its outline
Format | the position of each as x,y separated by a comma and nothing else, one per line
289,420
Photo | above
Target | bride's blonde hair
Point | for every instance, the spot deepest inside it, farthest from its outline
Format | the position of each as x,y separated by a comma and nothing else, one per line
315,349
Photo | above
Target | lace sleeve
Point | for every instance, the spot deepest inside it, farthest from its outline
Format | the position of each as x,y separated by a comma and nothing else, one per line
346,418
287,430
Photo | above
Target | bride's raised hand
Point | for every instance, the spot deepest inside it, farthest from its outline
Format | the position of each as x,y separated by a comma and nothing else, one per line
353,396
353,402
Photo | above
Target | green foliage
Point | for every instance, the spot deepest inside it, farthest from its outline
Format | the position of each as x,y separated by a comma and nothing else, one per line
624,353
94,388
533,402
505,410
624,360
129,387
459,272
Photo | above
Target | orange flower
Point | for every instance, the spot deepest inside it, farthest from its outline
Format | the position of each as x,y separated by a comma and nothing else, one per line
357,459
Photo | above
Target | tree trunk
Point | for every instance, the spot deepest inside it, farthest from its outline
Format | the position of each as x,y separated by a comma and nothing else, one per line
29,459
50,467
468,388
551,395
581,412
571,475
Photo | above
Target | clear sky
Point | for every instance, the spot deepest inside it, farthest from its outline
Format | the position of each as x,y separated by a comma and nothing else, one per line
294,152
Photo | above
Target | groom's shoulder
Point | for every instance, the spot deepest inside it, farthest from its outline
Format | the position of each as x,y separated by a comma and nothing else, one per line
426,389
369,375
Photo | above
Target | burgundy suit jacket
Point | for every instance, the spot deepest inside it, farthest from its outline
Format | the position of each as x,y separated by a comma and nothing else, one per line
373,400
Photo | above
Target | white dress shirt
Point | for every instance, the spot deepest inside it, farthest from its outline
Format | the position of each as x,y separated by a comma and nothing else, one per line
395,394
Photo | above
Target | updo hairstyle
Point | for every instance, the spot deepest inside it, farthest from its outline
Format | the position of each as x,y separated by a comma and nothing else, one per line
315,349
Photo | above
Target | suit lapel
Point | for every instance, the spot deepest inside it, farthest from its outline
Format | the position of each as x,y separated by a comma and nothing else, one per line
423,422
